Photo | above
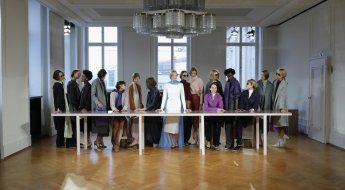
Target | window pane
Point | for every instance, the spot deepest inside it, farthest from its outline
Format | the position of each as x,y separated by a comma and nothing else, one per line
182,40
110,65
248,64
95,34
162,39
164,65
248,34
233,58
180,58
233,34
95,59
110,34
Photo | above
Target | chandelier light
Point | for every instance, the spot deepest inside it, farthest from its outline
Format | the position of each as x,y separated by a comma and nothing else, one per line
174,18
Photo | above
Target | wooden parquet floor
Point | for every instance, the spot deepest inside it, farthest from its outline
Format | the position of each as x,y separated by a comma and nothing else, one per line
303,164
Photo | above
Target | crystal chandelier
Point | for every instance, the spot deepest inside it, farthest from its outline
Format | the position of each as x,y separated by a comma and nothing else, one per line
174,18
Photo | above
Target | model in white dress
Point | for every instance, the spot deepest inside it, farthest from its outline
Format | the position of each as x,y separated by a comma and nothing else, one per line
173,101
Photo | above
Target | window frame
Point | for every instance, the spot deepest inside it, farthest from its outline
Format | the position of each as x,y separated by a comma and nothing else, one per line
242,44
171,44
102,44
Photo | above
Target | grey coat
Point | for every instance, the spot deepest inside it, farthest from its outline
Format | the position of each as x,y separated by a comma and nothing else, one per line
99,94
265,92
280,101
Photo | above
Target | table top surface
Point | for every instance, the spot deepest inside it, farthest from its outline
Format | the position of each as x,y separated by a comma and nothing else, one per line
154,113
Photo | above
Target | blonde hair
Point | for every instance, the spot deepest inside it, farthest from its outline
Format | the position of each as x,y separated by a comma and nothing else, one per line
282,72
172,72
253,82
211,76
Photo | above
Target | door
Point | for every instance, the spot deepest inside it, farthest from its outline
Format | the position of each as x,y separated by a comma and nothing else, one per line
318,125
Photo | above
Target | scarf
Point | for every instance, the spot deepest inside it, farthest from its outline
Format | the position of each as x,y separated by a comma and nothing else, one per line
136,95
118,101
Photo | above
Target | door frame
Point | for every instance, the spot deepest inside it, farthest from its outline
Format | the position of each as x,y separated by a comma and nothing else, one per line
325,63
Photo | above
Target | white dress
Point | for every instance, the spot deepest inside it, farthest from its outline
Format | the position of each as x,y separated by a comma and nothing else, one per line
173,101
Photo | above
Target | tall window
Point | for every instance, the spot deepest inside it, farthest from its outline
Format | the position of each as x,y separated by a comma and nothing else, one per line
241,52
102,52
171,54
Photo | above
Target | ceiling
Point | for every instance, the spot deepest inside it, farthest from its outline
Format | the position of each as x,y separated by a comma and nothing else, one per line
228,12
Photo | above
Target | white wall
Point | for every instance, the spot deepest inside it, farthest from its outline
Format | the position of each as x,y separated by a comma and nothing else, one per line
209,52
137,56
317,32
269,51
293,55
337,132
15,76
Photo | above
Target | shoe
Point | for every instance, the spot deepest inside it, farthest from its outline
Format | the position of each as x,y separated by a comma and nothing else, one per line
187,144
239,143
214,147
155,145
103,146
208,144
285,137
227,147
279,143
134,142
97,146
116,148
192,142
237,147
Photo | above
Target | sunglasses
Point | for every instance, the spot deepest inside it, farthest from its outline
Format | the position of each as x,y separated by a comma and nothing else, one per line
185,75
217,74
61,75
278,74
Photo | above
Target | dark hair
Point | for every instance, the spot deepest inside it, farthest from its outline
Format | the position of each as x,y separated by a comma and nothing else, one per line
266,74
74,72
230,70
184,71
56,74
150,82
88,74
193,69
119,83
214,83
135,75
101,73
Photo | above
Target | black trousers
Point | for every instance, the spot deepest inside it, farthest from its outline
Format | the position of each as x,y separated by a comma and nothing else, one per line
212,129
59,123
153,129
72,141
187,127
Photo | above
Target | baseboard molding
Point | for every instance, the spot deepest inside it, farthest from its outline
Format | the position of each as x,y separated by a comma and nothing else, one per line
15,146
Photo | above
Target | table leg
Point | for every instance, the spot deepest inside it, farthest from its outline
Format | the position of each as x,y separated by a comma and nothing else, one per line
257,132
140,135
265,134
85,132
78,134
202,132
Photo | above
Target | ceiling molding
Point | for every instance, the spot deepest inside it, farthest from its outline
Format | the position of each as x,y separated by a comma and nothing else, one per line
63,11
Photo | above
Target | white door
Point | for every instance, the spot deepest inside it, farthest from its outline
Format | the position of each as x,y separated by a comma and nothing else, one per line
318,125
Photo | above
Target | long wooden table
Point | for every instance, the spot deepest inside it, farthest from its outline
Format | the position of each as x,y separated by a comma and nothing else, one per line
202,114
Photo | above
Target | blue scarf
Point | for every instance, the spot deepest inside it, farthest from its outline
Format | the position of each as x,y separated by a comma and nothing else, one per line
174,82
118,101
